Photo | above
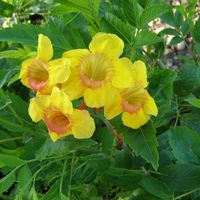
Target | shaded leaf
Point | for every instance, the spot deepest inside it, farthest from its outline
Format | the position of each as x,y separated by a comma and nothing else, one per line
146,37
185,144
182,177
157,188
10,161
144,143
151,12
194,101
7,181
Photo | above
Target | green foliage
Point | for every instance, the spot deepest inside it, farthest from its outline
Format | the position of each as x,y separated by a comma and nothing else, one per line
160,160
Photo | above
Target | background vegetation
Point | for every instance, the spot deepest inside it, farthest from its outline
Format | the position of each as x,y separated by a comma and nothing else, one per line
161,160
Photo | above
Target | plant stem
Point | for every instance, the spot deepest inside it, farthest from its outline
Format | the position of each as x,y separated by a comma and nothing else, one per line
186,194
114,132
62,175
70,176
11,139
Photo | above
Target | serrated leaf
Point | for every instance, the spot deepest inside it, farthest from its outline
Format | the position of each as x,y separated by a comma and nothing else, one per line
131,11
63,197
13,53
7,181
191,120
178,19
161,88
146,37
24,180
20,33
188,79
144,143
170,31
157,188
193,101
196,31
181,177
123,177
185,144
152,12
176,40
115,25
53,192
4,100
33,194
10,161
5,9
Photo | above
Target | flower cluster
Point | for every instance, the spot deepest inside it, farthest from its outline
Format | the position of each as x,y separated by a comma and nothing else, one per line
98,75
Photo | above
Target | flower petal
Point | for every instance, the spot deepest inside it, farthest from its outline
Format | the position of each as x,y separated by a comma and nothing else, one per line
60,100
112,106
150,107
123,76
73,87
139,68
75,55
83,125
36,106
45,49
59,71
95,97
109,44
24,71
55,136
135,120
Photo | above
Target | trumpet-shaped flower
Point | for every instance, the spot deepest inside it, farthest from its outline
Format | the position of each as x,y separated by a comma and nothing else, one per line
97,70
135,103
39,73
61,119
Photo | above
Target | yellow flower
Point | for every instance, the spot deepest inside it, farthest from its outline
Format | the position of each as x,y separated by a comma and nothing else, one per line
97,70
39,73
57,112
135,103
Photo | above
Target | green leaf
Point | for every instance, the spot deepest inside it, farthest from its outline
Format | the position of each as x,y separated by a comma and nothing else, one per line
53,192
33,194
170,31
10,161
161,88
194,101
188,79
24,180
13,53
144,143
185,144
152,12
63,197
175,40
113,24
123,177
146,37
5,9
191,120
7,181
197,48
196,31
105,138
20,33
178,19
182,177
186,26
131,11
50,148
4,100
157,188
89,8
